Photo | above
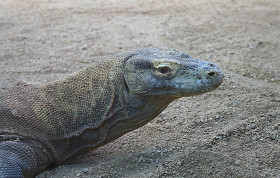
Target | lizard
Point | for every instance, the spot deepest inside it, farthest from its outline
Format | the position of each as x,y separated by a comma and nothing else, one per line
43,125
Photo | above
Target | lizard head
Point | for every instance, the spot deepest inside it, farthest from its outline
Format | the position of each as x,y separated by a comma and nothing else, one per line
169,73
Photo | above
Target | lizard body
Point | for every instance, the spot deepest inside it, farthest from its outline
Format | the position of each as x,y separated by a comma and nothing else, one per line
47,124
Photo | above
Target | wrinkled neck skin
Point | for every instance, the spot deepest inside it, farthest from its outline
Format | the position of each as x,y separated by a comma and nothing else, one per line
139,111
126,112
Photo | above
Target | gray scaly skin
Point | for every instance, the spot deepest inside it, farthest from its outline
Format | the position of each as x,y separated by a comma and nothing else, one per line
47,124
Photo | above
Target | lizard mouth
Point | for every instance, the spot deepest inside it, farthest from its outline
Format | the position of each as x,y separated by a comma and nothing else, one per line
219,83
186,88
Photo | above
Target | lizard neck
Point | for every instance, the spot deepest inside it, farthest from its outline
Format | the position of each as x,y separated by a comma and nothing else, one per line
79,108
88,113
138,111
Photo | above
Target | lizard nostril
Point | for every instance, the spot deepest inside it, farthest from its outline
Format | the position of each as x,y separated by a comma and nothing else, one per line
212,74
212,65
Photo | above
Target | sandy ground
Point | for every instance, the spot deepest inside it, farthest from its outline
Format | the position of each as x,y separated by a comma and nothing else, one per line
231,132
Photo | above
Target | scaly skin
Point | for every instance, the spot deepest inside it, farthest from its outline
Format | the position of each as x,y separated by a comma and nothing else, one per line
44,125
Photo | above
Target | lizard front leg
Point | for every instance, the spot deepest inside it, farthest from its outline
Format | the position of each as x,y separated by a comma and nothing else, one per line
22,158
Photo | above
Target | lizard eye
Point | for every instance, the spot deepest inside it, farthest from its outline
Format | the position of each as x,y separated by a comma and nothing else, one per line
164,69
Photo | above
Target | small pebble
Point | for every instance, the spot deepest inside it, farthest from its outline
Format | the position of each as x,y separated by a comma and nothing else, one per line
84,170
273,136
141,159
179,163
237,162
84,47
210,56
217,116
250,127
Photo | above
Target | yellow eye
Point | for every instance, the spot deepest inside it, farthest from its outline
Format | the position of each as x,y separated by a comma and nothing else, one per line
164,69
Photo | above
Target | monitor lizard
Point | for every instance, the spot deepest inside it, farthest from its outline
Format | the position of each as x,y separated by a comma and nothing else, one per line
46,124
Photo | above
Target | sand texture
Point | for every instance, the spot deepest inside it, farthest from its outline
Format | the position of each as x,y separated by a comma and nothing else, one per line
231,132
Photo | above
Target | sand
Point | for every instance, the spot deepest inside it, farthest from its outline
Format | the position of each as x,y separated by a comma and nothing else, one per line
233,131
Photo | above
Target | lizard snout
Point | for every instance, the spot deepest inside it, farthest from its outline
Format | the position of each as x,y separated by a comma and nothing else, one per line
214,73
